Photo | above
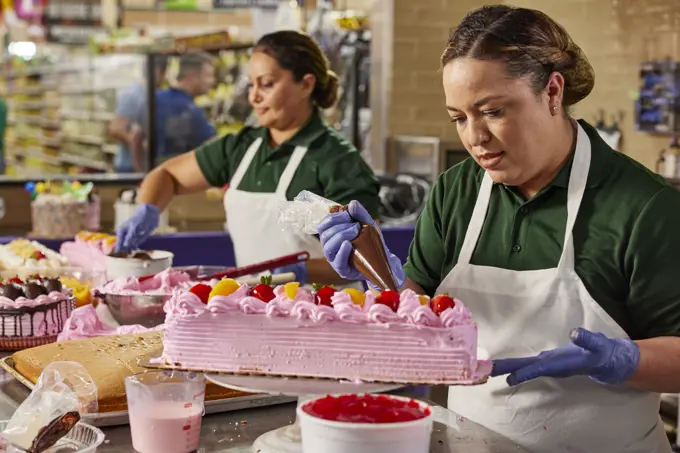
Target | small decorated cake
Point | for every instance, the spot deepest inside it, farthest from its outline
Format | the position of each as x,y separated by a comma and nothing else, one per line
32,311
349,334
89,249
61,211
28,257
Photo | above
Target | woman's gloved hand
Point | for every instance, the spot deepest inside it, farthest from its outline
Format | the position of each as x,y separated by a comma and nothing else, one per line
605,360
299,269
137,228
337,232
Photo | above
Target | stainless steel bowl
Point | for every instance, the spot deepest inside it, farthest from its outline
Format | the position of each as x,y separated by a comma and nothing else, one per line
143,309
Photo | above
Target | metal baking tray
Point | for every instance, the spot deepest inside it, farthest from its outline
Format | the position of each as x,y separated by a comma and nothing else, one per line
15,395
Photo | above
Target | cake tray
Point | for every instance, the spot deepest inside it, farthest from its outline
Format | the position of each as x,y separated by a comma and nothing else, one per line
116,418
482,373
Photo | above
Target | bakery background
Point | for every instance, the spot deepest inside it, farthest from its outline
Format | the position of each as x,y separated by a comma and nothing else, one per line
64,62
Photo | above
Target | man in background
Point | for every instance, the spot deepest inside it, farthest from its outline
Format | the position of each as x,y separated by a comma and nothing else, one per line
130,125
181,125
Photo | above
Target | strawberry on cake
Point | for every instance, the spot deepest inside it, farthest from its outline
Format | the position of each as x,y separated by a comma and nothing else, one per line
350,334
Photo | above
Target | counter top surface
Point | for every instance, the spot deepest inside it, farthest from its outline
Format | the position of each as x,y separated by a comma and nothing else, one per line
234,432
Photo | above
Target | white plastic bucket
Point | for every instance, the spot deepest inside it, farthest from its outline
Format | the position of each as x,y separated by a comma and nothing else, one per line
135,267
319,435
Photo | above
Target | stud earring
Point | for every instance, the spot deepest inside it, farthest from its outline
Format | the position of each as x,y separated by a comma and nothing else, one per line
555,108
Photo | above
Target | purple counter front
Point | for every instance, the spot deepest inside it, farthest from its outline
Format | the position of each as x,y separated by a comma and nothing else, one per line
216,249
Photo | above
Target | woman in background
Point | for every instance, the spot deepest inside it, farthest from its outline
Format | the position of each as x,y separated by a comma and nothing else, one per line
292,150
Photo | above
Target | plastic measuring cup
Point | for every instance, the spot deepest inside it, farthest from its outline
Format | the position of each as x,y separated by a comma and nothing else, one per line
165,410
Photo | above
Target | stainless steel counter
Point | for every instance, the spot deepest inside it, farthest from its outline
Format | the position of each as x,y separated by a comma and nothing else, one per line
234,432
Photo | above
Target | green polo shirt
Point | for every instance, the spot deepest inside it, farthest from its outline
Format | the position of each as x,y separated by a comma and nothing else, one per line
331,168
626,237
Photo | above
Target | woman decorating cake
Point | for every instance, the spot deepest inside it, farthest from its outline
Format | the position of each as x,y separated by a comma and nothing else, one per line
293,150
565,251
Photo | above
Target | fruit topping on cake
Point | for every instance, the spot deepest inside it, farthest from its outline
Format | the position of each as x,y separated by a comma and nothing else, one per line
290,289
323,294
82,290
264,291
202,291
440,303
224,287
424,300
366,408
389,298
38,255
357,296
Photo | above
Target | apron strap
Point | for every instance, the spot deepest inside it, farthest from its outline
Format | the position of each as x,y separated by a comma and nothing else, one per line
245,163
578,179
287,175
577,185
476,221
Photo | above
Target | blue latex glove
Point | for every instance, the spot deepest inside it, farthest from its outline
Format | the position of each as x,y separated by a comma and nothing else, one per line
137,228
339,229
299,269
605,360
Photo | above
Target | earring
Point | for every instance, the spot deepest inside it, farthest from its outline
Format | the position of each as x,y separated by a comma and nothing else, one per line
555,108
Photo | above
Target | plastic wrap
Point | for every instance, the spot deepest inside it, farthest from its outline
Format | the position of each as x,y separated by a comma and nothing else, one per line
304,213
63,388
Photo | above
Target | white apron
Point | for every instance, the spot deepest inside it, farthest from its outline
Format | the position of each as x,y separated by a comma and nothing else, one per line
252,217
521,313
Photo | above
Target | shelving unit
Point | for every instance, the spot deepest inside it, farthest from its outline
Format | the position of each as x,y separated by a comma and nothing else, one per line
58,113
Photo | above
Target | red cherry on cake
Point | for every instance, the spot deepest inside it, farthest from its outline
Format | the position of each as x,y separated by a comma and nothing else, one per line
323,295
38,255
440,303
389,298
202,291
16,280
264,291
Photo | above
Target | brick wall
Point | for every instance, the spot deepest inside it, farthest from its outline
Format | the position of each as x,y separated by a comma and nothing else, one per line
616,35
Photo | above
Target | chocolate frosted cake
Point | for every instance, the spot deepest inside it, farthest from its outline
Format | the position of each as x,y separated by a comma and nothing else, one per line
32,312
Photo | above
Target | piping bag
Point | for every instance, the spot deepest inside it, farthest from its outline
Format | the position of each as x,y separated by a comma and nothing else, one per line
307,210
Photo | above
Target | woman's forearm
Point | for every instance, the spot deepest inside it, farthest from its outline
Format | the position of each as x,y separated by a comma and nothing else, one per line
158,188
659,368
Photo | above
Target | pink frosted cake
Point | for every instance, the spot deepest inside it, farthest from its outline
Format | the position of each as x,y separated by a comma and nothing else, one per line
89,250
85,322
349,335
32,312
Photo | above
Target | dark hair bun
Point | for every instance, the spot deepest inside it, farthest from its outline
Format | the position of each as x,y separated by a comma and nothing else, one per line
326,94
579,76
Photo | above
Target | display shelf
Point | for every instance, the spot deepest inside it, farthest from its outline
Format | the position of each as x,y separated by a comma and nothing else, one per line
59,112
